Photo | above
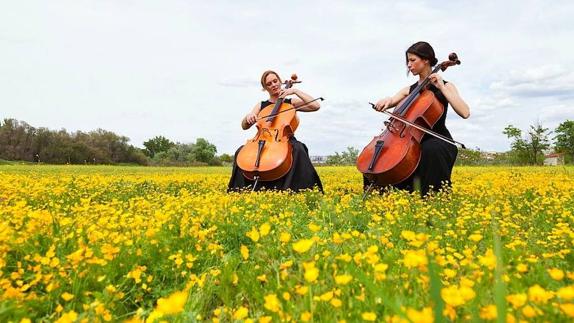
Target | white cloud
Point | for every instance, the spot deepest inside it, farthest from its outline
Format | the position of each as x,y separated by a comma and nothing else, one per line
539,81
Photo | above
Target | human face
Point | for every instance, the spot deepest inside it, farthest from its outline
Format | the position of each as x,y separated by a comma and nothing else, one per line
416,64
272,84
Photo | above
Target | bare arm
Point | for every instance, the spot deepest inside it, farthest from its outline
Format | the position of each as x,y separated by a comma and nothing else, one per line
251,117
301,98
451,94
392,101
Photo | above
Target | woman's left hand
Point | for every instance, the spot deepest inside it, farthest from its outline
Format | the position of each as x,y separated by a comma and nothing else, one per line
286,92
436,80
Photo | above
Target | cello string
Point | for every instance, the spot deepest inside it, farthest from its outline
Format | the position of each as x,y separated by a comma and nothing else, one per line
423,129
293,108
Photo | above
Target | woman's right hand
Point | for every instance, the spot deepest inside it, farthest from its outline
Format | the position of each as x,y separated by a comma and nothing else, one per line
383,104
251,118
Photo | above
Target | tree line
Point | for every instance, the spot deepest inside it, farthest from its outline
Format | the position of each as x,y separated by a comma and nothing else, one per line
527,148
20,141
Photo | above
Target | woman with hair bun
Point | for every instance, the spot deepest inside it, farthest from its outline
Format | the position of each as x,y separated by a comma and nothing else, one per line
437,157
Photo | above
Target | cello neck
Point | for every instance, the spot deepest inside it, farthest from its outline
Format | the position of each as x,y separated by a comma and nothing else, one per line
278,104
416,92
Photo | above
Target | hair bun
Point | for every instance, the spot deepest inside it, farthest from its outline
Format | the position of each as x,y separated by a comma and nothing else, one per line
423,50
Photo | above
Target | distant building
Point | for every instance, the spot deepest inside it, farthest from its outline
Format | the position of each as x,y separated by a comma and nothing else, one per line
488,155
554,159
318,159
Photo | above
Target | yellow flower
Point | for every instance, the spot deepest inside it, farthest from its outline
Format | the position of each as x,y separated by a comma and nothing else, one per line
537,294
529,311
311,274
335,302
556,274
475,237
449,273
415,258
568,309
244,252
173,304
408,235
488,260
303,246
488,312
272,303
369,316
67,296
381,268
253,234
423,316
566,293
306,316
522,268
517,300
314,228
284,237
343,279
262,278
301,290
326,296
264,229
265,319
455,296
240,313
69,317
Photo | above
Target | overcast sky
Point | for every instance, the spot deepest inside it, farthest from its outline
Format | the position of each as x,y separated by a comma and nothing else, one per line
186,69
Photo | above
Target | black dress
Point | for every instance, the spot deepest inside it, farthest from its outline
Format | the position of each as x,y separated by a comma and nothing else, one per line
302,174
437,157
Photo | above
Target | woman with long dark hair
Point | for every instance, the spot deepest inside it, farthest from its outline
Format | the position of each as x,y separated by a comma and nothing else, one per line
437,157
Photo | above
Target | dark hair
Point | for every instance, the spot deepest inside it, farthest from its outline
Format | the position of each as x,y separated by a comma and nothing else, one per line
423,50
264,76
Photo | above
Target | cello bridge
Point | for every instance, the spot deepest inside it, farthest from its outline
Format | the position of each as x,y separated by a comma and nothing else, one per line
391,127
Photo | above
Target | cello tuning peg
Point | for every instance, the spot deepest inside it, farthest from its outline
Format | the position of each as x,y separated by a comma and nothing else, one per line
453,57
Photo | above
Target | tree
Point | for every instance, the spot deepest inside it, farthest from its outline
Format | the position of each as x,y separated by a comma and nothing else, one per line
226,158
528,150
203,151
348,157
565,138
538,143
469,157
179,154
156,145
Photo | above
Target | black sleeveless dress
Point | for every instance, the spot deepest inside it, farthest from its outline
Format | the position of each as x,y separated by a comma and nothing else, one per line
437,157
302,174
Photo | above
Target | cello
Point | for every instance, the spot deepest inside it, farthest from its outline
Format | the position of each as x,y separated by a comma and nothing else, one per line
268,155
393,156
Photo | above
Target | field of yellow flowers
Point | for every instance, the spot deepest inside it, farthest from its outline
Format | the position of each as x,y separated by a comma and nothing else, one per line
102,243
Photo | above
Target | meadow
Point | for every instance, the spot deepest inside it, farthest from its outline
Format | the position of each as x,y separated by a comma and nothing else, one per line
103,243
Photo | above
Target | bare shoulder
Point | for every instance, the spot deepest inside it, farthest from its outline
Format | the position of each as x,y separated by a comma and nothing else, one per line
449,85
405,91
256,107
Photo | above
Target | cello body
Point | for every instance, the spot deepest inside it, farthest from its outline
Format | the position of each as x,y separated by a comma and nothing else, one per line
394,155
268,156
